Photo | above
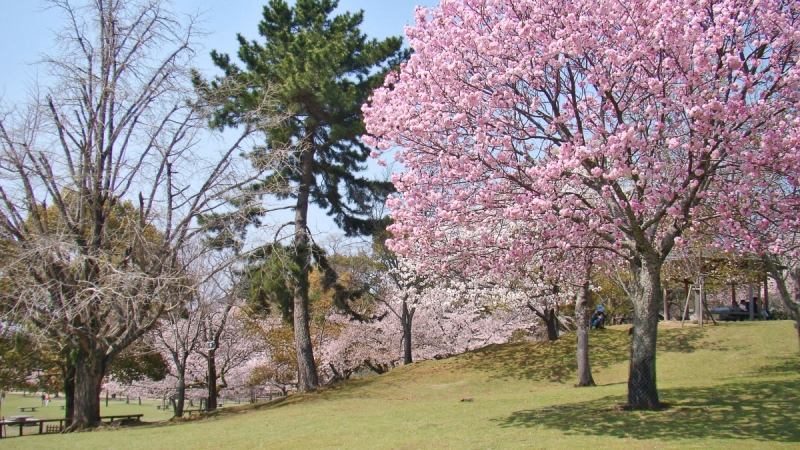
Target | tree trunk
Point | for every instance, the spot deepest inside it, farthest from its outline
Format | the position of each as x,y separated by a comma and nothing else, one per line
797,327
406,320
793,304
211,403
69,392
306,367
647,298
552,324
549,319
180,401
584,369
89,372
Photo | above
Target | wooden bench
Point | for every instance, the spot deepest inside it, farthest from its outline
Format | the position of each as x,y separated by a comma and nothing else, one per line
189,412
32,408
136,417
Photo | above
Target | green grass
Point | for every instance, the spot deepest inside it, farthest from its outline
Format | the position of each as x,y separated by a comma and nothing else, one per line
53,411
731,386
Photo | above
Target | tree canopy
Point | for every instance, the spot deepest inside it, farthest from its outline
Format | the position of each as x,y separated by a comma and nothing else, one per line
618,125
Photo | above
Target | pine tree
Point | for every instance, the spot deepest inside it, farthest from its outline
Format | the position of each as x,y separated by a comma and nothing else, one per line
321,69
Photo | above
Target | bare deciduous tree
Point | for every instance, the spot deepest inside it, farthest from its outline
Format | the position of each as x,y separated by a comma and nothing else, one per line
104,178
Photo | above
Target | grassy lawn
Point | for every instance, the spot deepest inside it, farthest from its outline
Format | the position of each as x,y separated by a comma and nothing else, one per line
53,410
735,385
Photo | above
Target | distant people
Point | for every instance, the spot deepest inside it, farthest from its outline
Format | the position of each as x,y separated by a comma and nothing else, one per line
46,399
599,318
743,307
43,399
755,306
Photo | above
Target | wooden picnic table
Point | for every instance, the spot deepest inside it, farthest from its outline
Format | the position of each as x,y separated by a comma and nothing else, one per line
739,315
32,408
27,421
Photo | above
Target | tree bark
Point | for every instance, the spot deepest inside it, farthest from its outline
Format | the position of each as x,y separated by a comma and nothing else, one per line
406,319
211,403
306,367
552,324
584,369
793,304
89,372
69,392
647,298
180,400
549,319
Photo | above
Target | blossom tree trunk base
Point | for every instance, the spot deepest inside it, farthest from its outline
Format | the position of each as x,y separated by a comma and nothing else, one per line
406,319
584,369
211,403
180,400
550,321
642,390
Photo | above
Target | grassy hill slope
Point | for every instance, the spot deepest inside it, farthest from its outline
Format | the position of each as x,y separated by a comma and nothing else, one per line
733,385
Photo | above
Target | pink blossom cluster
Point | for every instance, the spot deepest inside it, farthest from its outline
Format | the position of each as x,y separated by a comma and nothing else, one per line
547,125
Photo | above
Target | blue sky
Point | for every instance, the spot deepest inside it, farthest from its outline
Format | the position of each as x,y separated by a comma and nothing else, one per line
26,32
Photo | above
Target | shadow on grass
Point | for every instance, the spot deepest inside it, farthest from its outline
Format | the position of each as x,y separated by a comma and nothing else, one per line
764,411
785,366
686,340
556,361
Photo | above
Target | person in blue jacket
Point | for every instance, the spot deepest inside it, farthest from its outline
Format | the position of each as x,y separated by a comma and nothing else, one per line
599,318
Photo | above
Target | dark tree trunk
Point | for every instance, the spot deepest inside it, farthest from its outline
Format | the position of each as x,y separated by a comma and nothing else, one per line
306,367
647,299
211,403
549,319
69,391
584,369
89,372
552,324
406,319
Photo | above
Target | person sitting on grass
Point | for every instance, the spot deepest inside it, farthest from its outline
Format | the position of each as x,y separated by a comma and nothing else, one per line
599,318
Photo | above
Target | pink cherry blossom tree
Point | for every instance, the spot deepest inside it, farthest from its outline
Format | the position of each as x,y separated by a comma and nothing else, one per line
615,121
450,316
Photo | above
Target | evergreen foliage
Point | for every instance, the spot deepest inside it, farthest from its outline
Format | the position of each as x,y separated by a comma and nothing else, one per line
322,69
